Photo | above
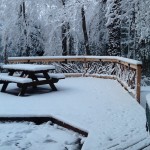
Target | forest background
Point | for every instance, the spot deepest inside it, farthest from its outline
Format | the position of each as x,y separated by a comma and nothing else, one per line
76,27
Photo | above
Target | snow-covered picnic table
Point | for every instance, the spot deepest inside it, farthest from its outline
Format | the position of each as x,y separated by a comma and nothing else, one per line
28,76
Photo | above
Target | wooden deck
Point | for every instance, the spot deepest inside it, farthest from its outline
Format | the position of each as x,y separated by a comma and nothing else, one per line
112,119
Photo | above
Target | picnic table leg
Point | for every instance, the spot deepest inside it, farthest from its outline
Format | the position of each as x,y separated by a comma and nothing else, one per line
34,78
11,72
5,84
50,81
18,84
53,86
23,90
4,87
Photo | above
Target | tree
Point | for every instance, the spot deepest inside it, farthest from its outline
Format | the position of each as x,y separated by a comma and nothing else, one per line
84,29
66,38
113,25
98,37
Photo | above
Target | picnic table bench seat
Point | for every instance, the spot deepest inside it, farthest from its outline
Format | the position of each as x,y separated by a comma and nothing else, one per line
15,79
55,76
24,82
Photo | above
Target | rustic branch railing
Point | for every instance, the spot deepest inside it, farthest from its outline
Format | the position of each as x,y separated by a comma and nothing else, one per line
126,71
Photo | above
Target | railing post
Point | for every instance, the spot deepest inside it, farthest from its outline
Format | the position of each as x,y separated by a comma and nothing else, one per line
138,82
85,67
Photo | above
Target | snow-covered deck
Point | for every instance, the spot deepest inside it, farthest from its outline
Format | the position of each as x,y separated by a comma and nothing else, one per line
111,116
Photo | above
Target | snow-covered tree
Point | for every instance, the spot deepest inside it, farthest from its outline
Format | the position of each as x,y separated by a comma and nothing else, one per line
73,27
113,24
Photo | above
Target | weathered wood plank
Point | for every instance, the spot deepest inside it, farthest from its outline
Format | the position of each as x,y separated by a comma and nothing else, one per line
138,83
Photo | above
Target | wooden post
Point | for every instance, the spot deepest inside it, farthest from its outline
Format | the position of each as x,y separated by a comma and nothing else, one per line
138,82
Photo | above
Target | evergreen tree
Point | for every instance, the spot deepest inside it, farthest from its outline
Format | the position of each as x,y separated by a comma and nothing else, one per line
114,28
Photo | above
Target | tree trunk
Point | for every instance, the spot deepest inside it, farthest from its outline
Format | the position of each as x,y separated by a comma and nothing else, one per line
115,32
66,40
24,27
5,51
84,28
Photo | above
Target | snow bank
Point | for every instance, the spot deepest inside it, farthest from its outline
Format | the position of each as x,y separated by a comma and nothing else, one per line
148,98
29,136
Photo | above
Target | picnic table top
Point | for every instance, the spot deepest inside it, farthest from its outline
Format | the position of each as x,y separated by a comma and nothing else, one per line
28,67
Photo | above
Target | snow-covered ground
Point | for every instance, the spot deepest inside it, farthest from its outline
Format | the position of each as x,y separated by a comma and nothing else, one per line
145,92
28,136
100,106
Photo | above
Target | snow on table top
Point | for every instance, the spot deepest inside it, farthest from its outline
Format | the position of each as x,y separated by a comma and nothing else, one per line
130,61
30,67
14,79
100,106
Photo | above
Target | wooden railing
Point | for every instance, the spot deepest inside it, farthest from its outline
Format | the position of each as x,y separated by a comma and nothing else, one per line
126,71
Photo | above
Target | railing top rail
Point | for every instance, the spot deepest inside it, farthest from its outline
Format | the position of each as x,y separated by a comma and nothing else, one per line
100,58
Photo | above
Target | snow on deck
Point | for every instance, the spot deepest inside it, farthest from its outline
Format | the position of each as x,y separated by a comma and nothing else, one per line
102,107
